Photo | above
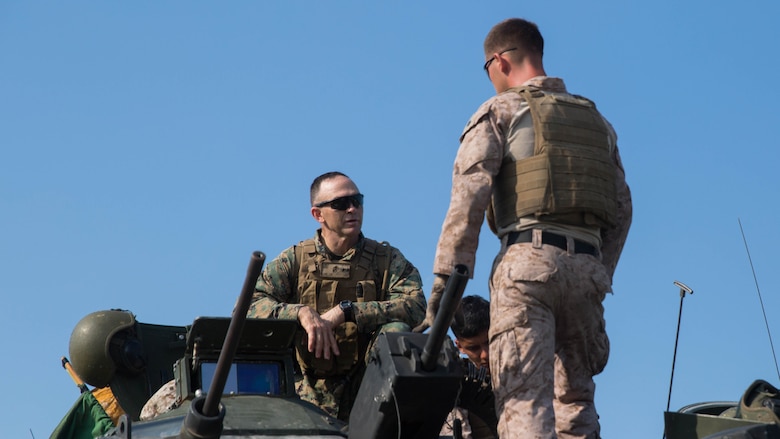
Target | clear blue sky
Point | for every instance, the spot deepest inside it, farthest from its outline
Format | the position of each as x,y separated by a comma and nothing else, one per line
147,148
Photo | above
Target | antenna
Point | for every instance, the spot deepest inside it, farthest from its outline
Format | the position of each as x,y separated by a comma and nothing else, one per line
755,279
683,289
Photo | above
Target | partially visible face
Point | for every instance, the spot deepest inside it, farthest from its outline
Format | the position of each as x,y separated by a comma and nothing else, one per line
343,223
475,348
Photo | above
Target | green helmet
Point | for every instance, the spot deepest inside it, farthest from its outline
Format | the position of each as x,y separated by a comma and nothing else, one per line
103,341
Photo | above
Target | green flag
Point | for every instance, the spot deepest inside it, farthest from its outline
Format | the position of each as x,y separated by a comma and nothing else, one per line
85,420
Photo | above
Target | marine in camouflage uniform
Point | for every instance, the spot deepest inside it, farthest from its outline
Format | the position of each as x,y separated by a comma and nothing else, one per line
309,283
555,266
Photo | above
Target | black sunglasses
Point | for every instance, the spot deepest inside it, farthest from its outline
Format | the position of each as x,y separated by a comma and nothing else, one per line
487,63
343,203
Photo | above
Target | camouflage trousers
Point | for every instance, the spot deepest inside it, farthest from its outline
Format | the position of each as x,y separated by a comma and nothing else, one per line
336,394
547,341
457,414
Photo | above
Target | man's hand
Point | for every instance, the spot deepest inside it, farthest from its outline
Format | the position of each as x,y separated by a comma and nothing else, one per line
319,329
439,282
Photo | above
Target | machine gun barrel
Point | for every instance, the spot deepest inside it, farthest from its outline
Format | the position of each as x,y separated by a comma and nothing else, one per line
205,421
450,301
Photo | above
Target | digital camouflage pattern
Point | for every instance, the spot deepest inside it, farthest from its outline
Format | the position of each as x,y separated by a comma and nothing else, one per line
163,401
542,374
554,343
405,302
404,308
336,394
457,414
472,427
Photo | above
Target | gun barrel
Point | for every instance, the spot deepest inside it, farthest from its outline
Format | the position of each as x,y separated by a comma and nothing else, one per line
204,420
211,405
450,301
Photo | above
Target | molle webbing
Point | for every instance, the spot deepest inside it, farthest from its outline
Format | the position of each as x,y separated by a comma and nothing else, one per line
571,177
322,292
373,257
305,265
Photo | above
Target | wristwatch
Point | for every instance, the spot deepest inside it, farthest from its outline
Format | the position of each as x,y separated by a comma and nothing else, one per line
348,309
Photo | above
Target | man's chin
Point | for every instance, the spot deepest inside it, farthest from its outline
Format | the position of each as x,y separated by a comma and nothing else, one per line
351,229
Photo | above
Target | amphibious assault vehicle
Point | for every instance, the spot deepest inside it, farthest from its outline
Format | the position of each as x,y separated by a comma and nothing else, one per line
755,415
234,377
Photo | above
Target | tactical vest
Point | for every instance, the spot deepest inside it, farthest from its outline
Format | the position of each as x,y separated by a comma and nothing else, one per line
323,283
571,177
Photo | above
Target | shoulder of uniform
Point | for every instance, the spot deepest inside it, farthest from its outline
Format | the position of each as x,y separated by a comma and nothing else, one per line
523,90
499,107
297,251
584,99
481,114
375,247
308,245
283,257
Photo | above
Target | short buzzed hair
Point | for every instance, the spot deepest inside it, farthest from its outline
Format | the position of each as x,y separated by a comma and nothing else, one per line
515,32
476,317
315,185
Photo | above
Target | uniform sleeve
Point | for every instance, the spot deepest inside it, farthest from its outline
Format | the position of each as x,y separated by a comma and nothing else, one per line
405,299
273,297
614,238
477,163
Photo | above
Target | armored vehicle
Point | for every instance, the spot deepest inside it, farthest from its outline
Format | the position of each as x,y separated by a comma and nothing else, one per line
755,415
235,377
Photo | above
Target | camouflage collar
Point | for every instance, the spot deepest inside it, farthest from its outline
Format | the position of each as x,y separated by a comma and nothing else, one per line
548,83
325,251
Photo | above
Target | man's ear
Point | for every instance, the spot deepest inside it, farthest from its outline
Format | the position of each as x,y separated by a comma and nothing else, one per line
457,345
316,213
503,64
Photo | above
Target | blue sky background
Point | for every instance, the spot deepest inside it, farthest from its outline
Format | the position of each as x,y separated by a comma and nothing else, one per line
147,148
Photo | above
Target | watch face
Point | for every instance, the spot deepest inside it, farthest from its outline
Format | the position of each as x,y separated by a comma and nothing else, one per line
346,307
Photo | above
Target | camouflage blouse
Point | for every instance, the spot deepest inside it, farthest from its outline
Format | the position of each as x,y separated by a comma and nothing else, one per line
274,296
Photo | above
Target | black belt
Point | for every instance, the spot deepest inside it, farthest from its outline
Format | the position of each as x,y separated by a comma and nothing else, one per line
551,239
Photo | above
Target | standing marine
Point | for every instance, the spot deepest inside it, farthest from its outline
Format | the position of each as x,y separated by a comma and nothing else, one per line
543,165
